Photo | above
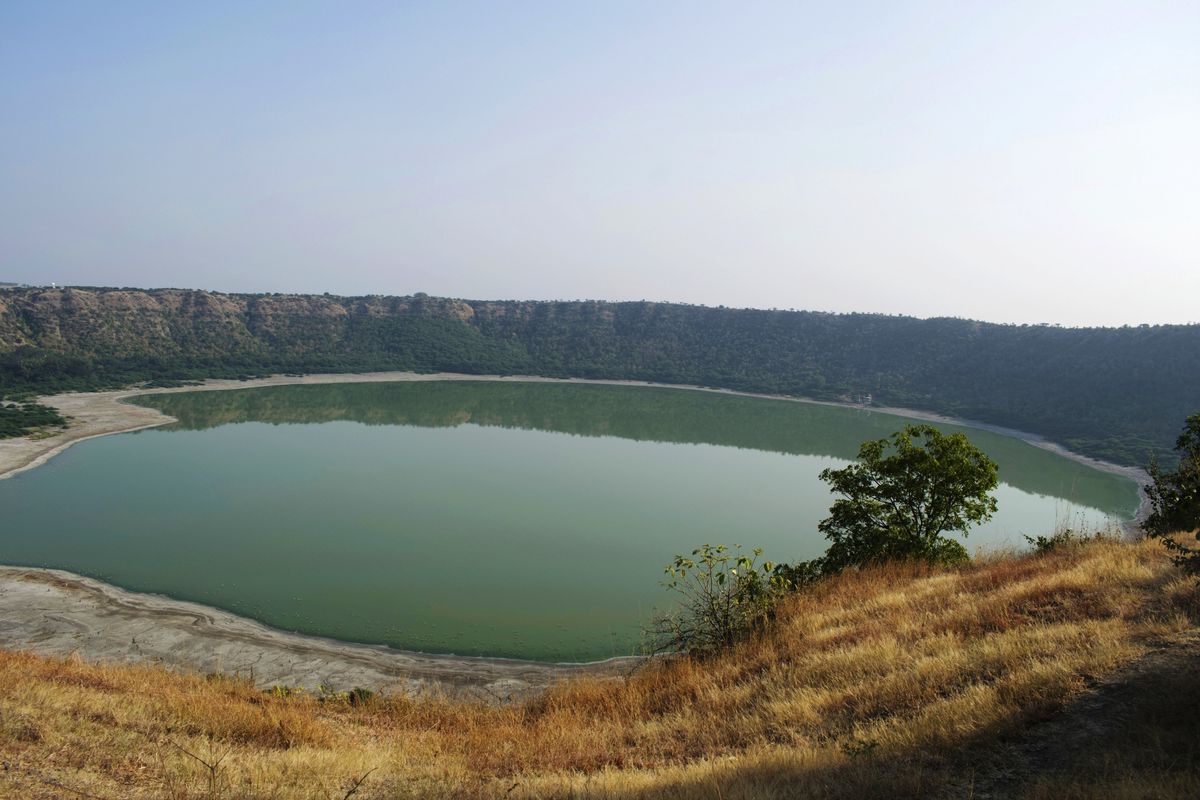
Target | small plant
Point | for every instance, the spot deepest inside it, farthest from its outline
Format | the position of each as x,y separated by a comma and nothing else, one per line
358,696
857,748
1064,537
211,761
802,573
724,594
1068,534
327,693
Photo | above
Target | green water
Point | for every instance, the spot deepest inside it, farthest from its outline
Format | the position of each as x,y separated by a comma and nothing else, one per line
515,519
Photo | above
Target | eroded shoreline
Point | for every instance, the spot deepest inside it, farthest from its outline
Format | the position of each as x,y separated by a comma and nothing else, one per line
53,612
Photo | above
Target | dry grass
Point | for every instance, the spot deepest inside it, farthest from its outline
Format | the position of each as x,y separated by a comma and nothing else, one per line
893,682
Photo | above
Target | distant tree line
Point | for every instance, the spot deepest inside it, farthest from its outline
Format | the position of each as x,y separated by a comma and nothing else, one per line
1113,393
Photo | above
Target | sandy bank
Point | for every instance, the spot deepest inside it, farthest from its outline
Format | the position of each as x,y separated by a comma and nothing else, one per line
57,613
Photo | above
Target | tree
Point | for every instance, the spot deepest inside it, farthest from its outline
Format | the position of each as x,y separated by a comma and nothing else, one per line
1175,497
902,494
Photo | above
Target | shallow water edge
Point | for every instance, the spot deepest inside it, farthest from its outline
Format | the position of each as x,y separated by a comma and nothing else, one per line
56,613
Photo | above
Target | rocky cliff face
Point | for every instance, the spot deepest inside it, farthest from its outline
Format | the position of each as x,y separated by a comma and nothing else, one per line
87,321
169,324
166,322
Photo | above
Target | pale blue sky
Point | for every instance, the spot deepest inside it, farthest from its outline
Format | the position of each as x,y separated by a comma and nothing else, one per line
1014,161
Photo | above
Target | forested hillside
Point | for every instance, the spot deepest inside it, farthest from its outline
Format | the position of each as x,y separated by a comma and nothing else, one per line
1115,393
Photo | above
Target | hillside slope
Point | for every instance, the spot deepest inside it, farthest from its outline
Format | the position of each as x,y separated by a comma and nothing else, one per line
1112,393
892,682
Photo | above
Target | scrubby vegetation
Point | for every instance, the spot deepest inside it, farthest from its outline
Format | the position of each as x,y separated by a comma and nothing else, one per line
1175,497
1065,537
1109,393
896,681
24,418
723,596
896,503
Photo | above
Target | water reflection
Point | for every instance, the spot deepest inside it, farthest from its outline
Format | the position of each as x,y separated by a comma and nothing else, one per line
636,413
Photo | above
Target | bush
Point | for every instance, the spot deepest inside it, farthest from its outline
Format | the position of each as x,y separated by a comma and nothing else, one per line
1063,537
724,595
1175,498
21,419
802,573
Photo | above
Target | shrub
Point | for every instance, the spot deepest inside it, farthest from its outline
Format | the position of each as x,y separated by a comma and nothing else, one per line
1063,537
1175,498
724,595
24,418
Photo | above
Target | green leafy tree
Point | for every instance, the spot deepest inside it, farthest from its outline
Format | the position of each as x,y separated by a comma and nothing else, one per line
1175,497
724,594
902,494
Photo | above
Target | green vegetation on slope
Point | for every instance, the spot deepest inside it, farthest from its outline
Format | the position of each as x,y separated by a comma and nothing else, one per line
1175,498
1111,393
896,502
21,419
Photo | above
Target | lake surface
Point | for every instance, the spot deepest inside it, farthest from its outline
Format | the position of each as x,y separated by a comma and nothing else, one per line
485,518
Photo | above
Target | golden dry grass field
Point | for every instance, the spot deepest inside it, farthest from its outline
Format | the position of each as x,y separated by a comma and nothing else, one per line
892,682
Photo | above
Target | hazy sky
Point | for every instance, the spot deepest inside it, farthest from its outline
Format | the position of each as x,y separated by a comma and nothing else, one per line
1005,161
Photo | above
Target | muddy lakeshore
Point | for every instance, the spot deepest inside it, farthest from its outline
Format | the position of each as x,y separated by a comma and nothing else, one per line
56,613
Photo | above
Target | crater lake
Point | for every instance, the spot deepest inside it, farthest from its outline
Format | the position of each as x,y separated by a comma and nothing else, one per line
528,520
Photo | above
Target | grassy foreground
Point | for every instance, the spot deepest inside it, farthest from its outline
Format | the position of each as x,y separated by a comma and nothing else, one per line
894,682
